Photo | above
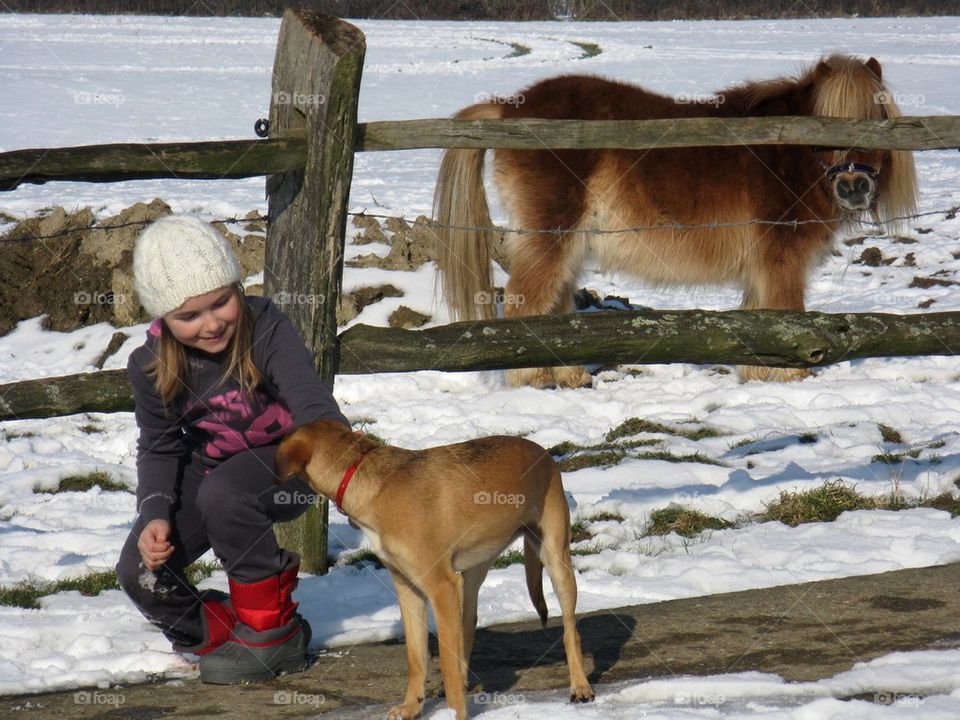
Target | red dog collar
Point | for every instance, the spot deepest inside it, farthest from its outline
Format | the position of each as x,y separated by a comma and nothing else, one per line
347,477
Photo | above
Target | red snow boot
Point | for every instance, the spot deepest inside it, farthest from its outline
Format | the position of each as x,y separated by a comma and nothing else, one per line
269,638
217,620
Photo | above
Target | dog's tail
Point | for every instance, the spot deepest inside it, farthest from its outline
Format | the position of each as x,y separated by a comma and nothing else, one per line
534,568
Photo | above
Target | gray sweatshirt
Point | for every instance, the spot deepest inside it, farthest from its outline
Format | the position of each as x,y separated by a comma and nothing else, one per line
214,420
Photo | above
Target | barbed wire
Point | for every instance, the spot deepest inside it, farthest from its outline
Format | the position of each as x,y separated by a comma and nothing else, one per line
107,228
948,213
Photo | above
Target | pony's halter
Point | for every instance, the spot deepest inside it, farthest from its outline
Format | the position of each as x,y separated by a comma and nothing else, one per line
853,167
846,166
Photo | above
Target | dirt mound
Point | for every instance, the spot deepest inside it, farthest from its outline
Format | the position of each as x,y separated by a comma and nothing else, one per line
45,276
72,270
77,272
410,246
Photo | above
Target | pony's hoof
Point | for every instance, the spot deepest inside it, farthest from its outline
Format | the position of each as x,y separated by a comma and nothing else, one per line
769,374
572,376
542,378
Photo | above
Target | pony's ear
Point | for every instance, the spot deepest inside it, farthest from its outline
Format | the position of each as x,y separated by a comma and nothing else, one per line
873,65
822,71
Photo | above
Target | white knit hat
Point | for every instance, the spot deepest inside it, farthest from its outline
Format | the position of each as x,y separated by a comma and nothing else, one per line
178,257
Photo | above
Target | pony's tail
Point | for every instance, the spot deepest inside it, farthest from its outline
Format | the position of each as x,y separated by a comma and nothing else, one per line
463,216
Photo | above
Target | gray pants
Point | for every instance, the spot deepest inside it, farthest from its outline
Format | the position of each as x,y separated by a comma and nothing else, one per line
230,508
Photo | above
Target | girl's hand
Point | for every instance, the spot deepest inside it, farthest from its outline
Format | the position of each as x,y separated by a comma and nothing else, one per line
154,547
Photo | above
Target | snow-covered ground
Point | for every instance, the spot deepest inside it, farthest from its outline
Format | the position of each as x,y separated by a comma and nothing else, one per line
77,80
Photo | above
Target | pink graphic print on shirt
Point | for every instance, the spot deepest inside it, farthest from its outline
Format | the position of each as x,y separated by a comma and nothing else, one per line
234,425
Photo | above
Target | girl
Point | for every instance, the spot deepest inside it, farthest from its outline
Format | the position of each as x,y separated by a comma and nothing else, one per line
220,380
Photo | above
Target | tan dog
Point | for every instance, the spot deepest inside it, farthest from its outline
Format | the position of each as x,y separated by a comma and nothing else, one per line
438,518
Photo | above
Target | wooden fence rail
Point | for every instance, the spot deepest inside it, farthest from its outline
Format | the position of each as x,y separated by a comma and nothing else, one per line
214,160
749,337
246,158
937,132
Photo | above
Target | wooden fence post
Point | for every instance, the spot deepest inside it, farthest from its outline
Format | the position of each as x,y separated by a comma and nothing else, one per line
316,85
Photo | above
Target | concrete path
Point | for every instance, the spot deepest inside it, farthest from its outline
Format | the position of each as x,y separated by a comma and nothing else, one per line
800,632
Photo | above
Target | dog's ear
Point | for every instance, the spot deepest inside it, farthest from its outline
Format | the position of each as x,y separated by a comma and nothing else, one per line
291,457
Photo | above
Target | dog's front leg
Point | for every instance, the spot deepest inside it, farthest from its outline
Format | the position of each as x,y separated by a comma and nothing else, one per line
444,588
413,611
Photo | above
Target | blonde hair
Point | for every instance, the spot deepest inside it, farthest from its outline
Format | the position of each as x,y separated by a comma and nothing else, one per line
171,370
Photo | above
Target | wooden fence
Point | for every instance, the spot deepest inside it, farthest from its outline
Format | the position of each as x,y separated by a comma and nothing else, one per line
308,162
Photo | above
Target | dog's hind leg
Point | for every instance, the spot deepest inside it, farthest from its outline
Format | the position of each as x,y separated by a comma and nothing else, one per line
555,554
472,580
413,610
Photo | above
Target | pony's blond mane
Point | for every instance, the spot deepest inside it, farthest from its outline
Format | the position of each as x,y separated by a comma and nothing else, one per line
852,90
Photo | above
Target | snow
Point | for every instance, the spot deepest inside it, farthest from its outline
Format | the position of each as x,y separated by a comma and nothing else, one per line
71,80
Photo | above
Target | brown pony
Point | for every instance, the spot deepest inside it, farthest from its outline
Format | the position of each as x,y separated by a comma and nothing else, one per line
583,190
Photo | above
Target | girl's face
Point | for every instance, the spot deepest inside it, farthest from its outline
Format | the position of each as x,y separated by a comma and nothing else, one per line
206,322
